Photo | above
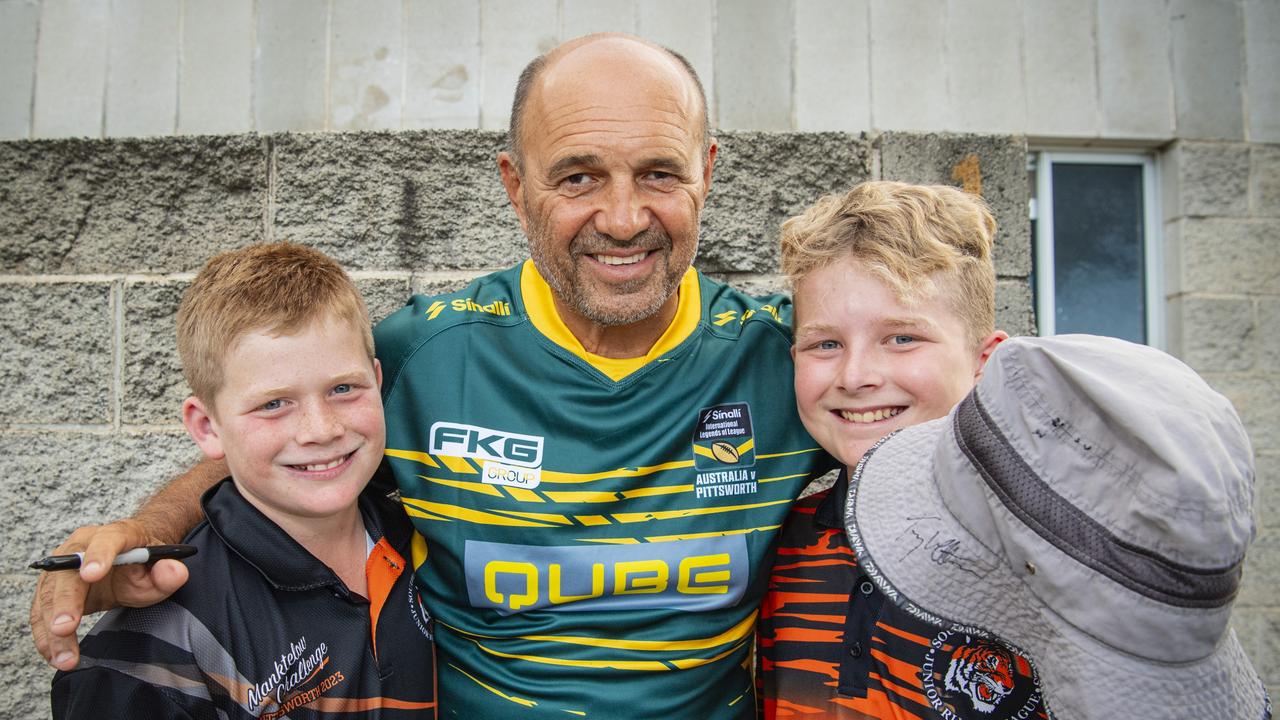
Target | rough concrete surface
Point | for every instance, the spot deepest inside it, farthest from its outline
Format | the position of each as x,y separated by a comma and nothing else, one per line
377,201
1256,398
1267,491
1211,179
1264,180
1218,334
1261,572
760,180
56,357
152,387
994,167
1259,633
83,206
1217,255
1014,312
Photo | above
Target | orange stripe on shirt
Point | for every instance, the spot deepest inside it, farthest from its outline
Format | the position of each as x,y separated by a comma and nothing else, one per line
381,570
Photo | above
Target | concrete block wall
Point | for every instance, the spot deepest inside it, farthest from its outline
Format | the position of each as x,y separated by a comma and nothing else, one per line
1222,228
98,239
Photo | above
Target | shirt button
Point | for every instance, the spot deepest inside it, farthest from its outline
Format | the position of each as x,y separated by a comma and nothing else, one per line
866,587
856,650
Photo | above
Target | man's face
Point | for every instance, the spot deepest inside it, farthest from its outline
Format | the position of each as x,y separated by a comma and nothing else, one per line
868,364
612,183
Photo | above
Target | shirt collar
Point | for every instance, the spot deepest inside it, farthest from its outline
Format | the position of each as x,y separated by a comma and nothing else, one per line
830,512
277,556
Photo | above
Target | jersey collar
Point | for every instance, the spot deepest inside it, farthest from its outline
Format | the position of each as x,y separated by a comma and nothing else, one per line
535,294
277,556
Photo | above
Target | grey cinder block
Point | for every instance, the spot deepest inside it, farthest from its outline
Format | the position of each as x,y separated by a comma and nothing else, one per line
69,479
424,199
1013,307
1217,333
57,357
1206,179
1264,180
995,166
1257,400
153,387
160,205
760,180
1214,254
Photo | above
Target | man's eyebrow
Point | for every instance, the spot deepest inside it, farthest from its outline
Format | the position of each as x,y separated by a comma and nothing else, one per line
573,161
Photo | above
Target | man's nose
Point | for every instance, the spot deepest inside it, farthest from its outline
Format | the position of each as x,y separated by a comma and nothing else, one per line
623,213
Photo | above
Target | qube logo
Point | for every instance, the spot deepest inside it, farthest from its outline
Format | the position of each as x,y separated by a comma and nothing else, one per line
473,441
692,575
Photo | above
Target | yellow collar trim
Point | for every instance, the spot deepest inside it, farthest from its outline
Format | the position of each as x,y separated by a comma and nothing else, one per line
538,303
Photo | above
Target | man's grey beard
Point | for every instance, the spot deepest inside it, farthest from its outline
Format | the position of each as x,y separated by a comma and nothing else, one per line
579,301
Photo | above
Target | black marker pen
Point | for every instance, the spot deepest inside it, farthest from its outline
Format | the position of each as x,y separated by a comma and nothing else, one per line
135,556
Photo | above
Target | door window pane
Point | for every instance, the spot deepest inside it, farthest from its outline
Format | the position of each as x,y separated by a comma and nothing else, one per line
1098,253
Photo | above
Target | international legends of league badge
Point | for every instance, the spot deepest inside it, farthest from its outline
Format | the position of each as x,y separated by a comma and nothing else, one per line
722,437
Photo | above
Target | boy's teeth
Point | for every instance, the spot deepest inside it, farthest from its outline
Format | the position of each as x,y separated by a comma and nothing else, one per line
324,466
870,415
615,260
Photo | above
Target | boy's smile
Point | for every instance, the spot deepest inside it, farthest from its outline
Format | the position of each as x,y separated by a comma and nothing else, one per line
299,420
868,364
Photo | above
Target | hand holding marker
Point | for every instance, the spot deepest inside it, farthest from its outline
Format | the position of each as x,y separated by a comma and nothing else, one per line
136,556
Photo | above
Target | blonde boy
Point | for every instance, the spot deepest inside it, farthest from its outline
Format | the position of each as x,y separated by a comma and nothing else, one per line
894,317
299,601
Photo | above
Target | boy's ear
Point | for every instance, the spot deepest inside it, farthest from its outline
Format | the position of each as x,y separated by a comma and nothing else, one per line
988,346
377,372
202,427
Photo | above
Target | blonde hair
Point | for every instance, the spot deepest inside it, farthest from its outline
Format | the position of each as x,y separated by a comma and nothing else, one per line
918,239
278,288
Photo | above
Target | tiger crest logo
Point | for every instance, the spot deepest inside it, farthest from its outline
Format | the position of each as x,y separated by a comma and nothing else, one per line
965,675
983,671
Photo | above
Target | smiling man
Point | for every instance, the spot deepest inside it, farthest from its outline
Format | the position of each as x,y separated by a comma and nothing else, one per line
598,445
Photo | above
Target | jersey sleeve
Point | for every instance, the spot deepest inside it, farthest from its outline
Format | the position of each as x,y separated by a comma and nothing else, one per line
95,693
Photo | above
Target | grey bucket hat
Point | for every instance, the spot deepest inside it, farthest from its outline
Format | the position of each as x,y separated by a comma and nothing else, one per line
1090,503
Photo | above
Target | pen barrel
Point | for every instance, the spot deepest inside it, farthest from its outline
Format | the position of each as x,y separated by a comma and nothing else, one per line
130,557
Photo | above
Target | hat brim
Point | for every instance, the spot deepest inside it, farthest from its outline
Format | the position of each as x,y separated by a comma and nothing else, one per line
926,561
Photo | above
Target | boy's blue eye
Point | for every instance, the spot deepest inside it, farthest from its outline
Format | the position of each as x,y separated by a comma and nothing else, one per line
902,339
343,388
827,345
272,405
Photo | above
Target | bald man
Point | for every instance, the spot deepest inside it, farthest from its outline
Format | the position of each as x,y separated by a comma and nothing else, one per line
597,446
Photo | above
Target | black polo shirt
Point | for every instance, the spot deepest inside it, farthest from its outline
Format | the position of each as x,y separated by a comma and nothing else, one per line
264,630
832,646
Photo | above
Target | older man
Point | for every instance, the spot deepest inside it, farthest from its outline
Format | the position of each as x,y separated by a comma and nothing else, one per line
598,445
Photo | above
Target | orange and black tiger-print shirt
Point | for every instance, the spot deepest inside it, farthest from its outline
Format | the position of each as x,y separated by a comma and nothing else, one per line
832,646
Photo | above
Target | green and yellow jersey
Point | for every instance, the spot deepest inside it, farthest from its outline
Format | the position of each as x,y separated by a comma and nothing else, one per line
595,534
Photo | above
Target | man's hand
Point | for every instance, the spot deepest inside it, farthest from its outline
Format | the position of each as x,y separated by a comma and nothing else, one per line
62,598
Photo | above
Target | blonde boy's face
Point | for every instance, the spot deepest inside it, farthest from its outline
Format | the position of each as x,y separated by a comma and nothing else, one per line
866,364
298,419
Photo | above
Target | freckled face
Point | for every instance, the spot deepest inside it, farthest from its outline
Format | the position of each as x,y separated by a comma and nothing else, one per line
298,419
614,179
867,364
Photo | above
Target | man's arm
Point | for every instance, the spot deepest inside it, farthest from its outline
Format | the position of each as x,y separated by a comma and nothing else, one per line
62,598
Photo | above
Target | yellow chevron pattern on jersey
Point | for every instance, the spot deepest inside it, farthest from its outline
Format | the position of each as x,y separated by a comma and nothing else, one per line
594,533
